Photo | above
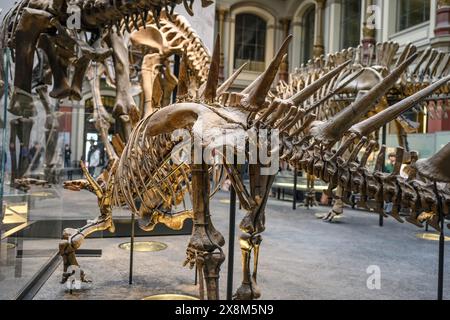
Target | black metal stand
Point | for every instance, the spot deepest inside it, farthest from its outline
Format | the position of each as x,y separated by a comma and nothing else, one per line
441,246
196,275
231,244
132,248
294,201
383,142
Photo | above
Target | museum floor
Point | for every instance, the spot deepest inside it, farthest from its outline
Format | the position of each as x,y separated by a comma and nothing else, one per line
301,258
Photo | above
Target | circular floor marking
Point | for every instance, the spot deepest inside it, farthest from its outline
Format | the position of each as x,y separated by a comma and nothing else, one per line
144,246
430,236
9,246
170,297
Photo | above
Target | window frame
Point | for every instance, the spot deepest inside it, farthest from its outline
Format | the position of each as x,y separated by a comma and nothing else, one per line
298,25
310,10
248,76
261,45
398,29
342,21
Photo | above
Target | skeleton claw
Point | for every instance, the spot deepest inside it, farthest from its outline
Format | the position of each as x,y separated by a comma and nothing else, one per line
247,291
431,218
75,185
190,258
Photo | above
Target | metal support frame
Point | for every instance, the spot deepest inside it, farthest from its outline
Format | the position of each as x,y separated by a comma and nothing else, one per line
232,232
440,293
231,235
294,196
383,142
130,280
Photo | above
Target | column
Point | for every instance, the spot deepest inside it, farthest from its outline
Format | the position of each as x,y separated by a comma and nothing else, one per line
284,68
319,48
221,13
442,18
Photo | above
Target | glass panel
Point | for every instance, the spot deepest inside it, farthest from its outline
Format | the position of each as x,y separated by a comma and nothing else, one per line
250,42
350,23
412,12
424,144
40,151
308,34
32,205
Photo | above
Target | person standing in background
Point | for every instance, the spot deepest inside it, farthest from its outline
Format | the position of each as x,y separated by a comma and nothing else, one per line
94,161
391,163
67,155
389,168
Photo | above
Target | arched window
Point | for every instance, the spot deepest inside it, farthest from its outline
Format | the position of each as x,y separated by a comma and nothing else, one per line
250,42
309,20
350,23
411,13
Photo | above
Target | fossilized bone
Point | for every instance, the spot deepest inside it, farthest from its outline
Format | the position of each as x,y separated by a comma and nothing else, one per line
146,175
169,182
175,33
379,60
44,24
147,180
431,66
172,35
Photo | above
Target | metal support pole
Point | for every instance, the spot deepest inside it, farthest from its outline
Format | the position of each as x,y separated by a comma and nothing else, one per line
132,248
381,220
196,275
294,201
231,243
383,142
441,246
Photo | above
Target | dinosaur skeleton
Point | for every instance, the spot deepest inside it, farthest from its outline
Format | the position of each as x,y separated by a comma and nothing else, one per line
148,181
143,175
36,26
369,66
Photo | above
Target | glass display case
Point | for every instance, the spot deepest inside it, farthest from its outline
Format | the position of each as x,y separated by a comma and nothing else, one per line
43,142
41,148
